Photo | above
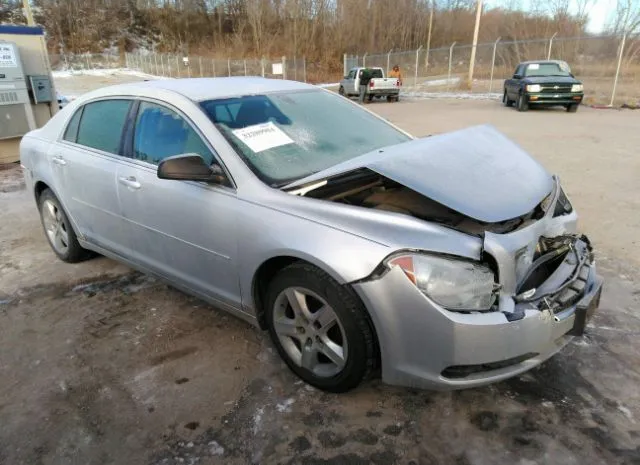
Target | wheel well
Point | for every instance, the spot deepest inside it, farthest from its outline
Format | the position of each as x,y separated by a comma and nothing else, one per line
261,281
38,189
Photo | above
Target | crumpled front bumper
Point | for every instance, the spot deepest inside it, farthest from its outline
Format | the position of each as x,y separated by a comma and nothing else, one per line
426,346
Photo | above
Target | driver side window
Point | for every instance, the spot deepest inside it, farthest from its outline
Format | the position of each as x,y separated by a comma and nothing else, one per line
161,133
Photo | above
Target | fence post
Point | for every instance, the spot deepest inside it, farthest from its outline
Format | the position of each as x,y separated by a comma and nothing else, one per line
155,59
304,68
200,64
344,64
188,67
415,77
284,67
229,66
88,63
262,65
388,58
162,63
126,59
450,61
550,44
245,67
615,81
178,72
213,66
364,60
295,68
493,62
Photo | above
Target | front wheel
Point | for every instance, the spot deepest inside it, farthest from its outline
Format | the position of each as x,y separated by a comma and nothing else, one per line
523,105
572,108
320,328
341,91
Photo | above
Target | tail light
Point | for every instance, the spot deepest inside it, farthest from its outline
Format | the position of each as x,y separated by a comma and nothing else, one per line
370,83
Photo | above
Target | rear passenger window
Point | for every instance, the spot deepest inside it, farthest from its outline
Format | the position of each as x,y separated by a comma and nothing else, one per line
102,123
72,129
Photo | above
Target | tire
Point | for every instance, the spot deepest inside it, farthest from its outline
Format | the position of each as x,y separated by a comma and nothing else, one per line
58,230
341,91
522,103
572,108
392,98
505,100
370,98
328,319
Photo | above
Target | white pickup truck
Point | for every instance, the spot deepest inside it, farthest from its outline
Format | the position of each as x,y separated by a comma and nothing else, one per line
378,86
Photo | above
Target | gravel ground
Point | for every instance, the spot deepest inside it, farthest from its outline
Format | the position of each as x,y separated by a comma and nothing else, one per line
102,365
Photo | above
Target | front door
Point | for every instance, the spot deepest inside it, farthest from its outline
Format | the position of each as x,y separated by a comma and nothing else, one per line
183,230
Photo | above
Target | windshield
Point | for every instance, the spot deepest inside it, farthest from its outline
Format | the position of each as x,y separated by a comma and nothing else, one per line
289,135
545,69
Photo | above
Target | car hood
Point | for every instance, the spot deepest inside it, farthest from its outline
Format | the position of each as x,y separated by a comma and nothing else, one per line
551,80
476,171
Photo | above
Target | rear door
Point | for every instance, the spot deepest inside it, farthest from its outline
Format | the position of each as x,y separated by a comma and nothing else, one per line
182,230
85,162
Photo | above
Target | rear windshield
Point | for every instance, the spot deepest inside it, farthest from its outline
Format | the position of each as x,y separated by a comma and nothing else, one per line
545,69
286,136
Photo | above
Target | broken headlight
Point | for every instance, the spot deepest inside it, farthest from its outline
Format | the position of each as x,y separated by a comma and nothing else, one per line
452,283
563,206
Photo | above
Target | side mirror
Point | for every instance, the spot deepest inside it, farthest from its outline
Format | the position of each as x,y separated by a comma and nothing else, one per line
517,76
190,167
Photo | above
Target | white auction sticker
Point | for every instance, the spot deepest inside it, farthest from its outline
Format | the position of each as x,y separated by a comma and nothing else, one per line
534,66
261,137
7,56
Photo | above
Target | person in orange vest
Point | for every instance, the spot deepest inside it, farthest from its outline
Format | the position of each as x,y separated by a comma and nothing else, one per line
396,73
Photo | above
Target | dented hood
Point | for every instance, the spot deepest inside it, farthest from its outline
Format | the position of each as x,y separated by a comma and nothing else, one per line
476,171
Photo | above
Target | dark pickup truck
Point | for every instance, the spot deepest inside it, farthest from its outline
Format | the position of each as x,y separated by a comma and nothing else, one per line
543,84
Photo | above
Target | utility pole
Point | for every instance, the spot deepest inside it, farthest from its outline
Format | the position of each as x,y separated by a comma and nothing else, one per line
27,13
426,61
475,44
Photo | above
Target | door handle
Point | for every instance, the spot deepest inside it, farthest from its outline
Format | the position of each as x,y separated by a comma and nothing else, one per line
130,182
58,160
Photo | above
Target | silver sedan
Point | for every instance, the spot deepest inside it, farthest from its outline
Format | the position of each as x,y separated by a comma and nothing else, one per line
445,262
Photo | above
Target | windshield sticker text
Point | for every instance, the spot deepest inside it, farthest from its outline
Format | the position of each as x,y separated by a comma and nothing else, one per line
534,66
261,137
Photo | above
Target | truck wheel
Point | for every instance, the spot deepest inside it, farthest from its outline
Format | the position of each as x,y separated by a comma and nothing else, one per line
572,108
506,101
341,91
522,105
392,98
370,97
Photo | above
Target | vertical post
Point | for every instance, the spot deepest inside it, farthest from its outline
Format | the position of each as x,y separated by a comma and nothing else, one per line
450,62
88,64
245,67
295,68
472,62
188,67
178,72
200,64
388,58
262,66
27,12
364,60
213,66
304,68
493,62
155,59
229,66
426,59
615,81
126,59
550,44
284,67
162,63
344,64
415,76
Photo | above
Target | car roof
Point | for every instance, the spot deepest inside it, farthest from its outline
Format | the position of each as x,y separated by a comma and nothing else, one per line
199,89
555,62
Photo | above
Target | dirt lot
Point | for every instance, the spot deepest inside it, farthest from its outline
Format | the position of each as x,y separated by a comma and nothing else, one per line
101,365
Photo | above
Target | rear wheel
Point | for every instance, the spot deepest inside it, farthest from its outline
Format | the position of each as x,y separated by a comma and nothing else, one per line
572,108
57,227
320,328
341,91
506,101
393,98
522,104
370,97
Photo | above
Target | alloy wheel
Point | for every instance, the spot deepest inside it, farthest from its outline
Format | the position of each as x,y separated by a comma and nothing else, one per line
55,227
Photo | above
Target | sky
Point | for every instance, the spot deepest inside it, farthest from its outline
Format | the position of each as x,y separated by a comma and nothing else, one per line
598,15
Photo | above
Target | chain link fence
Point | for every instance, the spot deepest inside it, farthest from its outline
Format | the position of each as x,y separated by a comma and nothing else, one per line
84,61
609,66
179,66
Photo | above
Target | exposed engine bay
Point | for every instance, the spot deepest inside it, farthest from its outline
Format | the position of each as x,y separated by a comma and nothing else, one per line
366,188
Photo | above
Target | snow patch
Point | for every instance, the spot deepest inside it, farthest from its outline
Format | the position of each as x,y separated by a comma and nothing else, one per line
103,73
325,85
215,448
627,413
417,95
285,406
441,82
257,420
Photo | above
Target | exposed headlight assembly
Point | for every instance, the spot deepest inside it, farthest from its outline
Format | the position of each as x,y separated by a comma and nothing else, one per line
534,88
577,88
454,284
